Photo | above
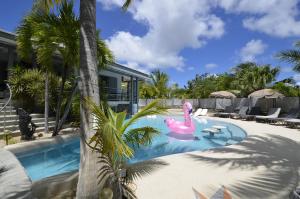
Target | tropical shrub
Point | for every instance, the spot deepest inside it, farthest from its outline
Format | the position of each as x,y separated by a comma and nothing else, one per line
286,90
116,139
28,88
249,77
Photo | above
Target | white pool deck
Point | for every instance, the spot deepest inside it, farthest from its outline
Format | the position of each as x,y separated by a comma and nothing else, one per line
264,165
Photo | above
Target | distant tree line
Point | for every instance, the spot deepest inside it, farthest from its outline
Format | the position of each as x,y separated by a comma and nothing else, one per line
243,79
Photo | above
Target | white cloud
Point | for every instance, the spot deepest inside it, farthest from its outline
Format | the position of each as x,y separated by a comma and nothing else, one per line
211,66
297,78
191,68
252,49
175,25
273,17
172,27
137,67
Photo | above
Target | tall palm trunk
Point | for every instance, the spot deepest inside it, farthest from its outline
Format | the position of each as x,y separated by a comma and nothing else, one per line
60,99
87,183
67,107
46,114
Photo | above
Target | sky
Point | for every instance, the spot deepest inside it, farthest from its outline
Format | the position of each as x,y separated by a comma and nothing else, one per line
188,37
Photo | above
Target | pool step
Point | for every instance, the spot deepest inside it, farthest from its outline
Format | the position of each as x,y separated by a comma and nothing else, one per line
16,127
10,119
16,117
37,130
7,112
8,107
34,120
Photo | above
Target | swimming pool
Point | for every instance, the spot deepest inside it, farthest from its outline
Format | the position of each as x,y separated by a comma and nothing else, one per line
65,157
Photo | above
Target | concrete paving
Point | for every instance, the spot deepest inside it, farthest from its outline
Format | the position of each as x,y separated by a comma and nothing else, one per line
264,165
14,182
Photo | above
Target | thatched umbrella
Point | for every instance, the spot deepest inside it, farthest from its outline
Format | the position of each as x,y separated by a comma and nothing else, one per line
222,94
266,93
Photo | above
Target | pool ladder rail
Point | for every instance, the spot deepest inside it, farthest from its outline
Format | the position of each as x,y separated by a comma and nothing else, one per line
4,108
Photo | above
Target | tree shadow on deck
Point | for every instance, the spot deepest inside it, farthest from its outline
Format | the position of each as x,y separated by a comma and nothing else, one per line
65,185
278,156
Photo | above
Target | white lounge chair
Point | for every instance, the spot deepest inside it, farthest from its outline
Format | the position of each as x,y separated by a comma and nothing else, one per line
204,112
198,112
273,113
293,122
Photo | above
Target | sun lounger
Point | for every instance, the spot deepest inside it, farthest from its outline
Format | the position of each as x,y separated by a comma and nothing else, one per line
228,110
273,113
204,112
254,111
292,114
221,193
197,112
293,122
243,111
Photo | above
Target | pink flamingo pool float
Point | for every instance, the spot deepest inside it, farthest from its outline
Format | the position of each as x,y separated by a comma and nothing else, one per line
186,127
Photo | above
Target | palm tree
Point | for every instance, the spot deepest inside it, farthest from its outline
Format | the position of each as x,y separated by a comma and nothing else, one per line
30,38
115,139
160,83
46,34
49,33
250,76
292,56
87,184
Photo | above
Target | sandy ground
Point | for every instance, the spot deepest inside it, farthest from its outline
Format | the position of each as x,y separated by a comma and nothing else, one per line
265,165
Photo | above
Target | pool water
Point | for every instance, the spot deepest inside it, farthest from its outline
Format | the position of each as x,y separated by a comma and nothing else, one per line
57,159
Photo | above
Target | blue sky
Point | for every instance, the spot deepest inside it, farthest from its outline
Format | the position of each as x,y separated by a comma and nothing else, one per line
186,37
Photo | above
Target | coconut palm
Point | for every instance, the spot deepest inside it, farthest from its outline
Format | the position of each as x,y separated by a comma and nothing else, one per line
250,76
50,33
115,139
292,56
26,32
87,184
160,83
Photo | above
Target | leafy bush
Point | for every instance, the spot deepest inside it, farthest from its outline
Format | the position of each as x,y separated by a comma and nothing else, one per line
288,91
28,89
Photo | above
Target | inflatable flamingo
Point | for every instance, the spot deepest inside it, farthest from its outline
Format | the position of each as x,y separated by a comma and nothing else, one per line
186,127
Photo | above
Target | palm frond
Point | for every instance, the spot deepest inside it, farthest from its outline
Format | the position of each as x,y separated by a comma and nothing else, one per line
297,44
291,56
126,4
46,5
128,192
153,108
104,54
24,35
108,138
141,136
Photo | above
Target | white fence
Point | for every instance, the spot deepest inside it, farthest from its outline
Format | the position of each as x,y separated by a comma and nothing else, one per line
285,103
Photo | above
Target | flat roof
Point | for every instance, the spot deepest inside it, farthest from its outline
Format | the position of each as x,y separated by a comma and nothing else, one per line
118,68
9,38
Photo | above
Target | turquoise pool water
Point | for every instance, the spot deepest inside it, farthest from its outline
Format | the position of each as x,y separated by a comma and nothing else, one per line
57,159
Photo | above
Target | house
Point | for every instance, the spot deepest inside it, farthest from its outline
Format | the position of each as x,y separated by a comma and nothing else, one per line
119,82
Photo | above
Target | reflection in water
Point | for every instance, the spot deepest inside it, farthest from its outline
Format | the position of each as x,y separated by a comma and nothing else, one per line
179,136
